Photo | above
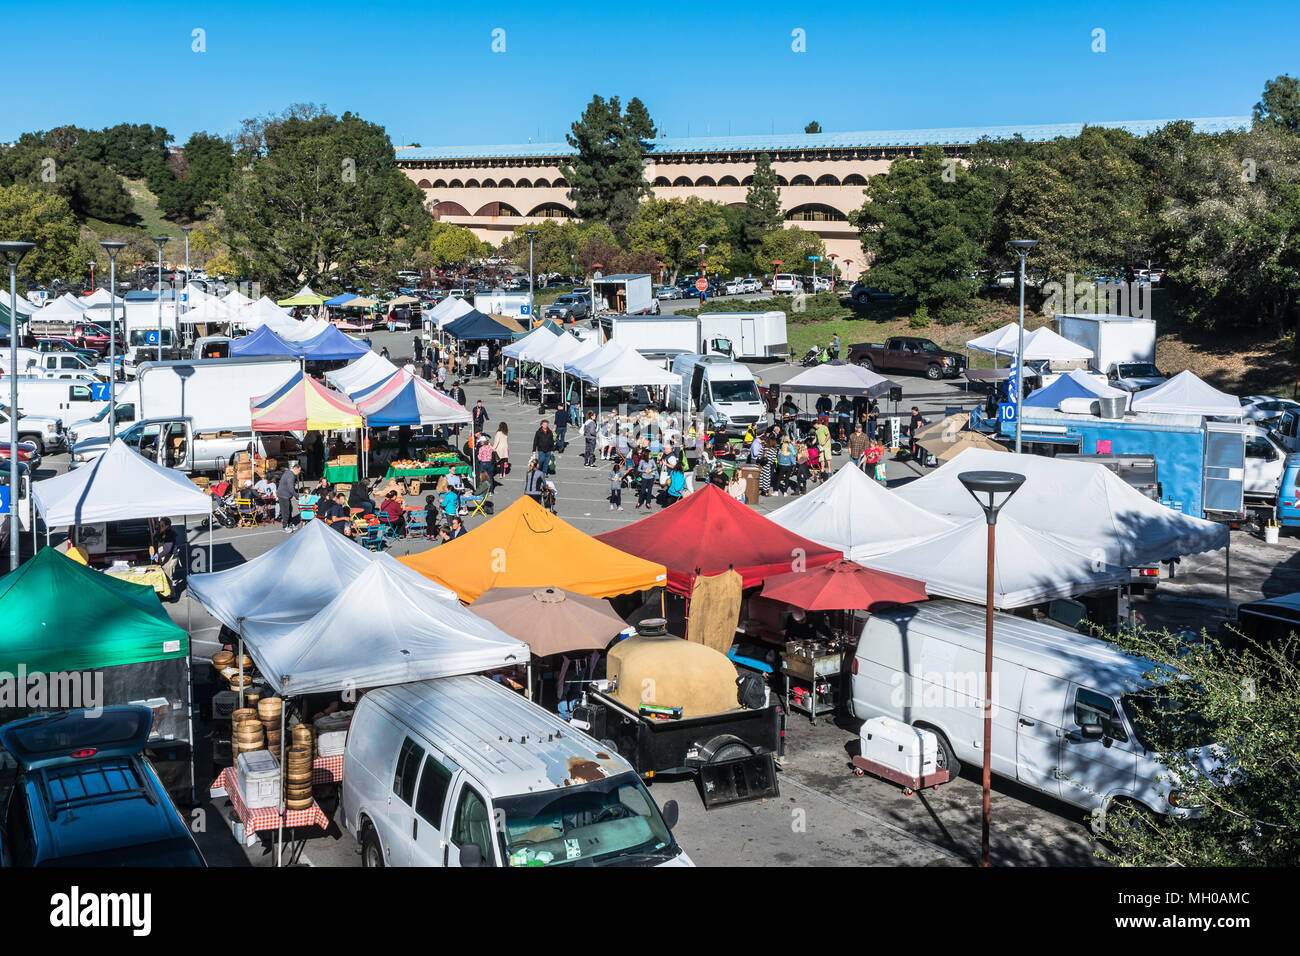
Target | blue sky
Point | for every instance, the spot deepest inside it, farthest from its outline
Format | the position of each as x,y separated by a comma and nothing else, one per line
427,72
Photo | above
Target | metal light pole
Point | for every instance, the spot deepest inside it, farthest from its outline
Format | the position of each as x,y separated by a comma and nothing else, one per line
993,484
1022,247
112,248
13,253
160,241
530,233
186,230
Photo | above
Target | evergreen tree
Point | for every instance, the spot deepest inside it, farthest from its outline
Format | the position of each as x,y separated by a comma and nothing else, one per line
762,206
606,180
813,127
1279,106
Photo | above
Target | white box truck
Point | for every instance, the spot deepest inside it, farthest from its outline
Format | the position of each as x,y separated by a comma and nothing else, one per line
516,305
1112,339
626,295
662,337
201,408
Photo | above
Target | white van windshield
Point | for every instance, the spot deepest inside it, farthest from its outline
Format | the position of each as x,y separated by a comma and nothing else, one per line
609,821
736,390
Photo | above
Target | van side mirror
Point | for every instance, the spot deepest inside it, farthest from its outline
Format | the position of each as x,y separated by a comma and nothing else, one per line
1091,732
471,855
670,814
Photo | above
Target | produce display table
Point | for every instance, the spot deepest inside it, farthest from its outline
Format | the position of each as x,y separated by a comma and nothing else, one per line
429,471
341,474
265,818
151,576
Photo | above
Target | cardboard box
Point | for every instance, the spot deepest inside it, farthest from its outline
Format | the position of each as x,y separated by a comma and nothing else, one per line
346,459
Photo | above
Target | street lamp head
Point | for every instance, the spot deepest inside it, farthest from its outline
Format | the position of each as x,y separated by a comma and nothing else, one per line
186,229
1022,246
112,248
530,233
996,486
161,241
13,252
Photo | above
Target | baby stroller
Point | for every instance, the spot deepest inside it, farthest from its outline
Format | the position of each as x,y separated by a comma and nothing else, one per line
548,498
224,511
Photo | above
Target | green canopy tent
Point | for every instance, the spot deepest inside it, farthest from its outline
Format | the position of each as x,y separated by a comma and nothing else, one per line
108,641
305,296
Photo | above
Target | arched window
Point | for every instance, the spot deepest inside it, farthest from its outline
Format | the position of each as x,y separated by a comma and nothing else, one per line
683,181
854,179
815,212
552,210
498,209
471,184
748,180
781,180
826,179
661,181
489,184
560,184
449,209
728,181
524,184
706,181
507,184
542,184
425,184
455,184
801,180
439,184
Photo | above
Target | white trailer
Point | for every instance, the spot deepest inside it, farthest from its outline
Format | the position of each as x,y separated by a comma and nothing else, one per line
1112,339
744,335
660,337
626,294
516,305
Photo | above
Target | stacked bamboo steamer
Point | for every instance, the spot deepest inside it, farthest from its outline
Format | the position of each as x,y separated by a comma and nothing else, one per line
304,735
297,791
269,712
246,733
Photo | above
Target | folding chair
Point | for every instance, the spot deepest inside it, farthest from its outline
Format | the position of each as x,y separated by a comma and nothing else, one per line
416,522
477,499
307,505
249,516
372,538
388,526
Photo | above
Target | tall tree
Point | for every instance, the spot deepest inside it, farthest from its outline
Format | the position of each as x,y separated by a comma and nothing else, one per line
31,214
762,212
326,204
924,226
813,127
606,180
674,229
1279,106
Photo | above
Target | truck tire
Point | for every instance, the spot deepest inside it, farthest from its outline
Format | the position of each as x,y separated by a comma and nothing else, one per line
725,747
947,757
866,363
35,440
372,854
933,372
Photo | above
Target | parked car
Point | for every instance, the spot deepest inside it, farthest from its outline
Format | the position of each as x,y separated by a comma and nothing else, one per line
862,294
1134,376
569,308
27,454
905,353
751,285
820,284
1264,408
733,286
64,345
90,336
86,796
784,283
668,292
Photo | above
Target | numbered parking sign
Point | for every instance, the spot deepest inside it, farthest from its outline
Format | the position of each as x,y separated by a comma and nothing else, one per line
151,337
525,310
99,392
1007,412
4,499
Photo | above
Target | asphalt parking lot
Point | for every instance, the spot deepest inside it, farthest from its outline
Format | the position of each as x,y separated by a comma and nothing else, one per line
824,815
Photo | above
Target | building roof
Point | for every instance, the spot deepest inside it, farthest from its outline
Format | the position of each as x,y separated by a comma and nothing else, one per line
865,139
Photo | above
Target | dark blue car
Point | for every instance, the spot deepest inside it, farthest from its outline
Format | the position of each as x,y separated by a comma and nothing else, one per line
86,796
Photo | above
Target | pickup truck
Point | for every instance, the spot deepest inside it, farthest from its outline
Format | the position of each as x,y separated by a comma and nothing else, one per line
43,434
908,354
569,308
1134,376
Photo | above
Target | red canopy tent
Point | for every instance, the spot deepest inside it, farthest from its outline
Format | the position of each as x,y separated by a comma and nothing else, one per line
709,532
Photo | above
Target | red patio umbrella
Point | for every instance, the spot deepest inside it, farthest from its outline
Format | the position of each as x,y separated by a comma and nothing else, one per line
842,586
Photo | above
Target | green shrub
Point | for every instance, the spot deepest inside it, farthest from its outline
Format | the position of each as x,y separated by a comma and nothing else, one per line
920,319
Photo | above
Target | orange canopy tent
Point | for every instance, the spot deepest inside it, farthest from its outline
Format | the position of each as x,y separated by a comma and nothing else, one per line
525,546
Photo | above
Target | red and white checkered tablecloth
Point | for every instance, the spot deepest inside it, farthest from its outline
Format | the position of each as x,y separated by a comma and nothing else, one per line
265,818
327,769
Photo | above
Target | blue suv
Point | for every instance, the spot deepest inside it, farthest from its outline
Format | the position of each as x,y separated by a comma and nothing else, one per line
86,796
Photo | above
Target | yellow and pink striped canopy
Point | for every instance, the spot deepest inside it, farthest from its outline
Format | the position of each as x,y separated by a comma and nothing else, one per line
303,404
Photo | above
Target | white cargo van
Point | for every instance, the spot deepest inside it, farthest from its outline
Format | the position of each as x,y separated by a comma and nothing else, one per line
461,771
53,365
52,398
718,389
1063,703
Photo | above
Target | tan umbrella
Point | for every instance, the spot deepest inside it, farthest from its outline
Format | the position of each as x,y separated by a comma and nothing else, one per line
946,439
550,620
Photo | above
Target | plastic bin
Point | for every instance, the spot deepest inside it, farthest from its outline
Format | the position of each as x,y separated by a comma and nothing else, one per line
332,732
258,774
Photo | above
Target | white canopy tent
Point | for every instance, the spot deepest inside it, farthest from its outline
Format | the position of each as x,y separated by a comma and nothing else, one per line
273,585
448,310
210,311
117,486
236,299
838,378
368,370
98,297
262,311
857,515
1030,566
60,310
1080,503
1040,345
388,625
77,302
1185,394
566,349
533,346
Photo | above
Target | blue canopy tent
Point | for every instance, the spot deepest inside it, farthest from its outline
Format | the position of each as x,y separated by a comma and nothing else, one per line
1074,384
404,399
265,342
475,326
331,344
341,299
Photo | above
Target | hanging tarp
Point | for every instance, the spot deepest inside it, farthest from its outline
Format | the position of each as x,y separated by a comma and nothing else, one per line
527,546
389,625
857,515
303,404
709,532
117,486
61,615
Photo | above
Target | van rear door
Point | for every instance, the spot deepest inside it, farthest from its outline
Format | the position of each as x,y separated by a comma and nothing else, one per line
1038,732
